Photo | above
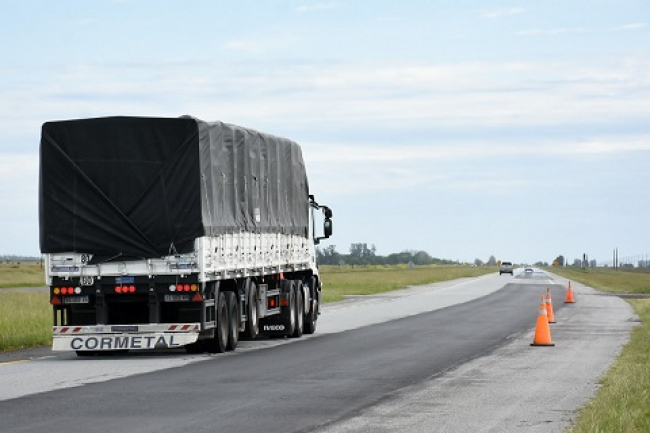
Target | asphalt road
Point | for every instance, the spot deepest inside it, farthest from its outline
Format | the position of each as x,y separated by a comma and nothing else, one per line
364,360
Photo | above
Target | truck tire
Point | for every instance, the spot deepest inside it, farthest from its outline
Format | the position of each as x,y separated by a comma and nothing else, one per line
233,314
252,328
290,309
312,316
299,309
219,343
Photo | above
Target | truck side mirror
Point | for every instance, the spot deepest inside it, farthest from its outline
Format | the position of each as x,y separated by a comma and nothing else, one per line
327,227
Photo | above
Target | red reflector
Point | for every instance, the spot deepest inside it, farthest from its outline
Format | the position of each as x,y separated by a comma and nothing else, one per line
197,297
284,302
132,289
55,300
272,303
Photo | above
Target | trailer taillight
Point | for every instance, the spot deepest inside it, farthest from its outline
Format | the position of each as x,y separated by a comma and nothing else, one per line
183,287
125,289
56,290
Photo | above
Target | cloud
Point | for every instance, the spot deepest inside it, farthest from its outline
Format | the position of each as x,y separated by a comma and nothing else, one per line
368,97
633,26
439,164
503,13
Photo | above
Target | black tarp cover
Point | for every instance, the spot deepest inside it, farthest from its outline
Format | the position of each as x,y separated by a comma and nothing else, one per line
147,187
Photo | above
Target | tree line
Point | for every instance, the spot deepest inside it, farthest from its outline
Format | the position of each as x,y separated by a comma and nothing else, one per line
361,254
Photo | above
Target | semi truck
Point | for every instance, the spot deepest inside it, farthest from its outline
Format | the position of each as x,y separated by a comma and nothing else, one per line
162,233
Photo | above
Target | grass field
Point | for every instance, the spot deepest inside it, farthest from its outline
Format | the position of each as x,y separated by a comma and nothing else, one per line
21,275
25,319
622,404
340,281
608,279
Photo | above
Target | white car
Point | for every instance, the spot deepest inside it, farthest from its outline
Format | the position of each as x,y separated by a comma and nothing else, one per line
506,268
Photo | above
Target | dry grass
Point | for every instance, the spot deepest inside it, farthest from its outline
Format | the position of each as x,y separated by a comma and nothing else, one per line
21,275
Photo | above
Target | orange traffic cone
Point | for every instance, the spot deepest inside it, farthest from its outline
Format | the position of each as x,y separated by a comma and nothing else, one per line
542,330
569,295
549,307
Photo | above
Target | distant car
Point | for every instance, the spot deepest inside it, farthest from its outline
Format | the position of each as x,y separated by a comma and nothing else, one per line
506,268
528,270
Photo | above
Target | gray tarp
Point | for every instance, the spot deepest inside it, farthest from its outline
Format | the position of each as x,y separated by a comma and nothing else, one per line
142,187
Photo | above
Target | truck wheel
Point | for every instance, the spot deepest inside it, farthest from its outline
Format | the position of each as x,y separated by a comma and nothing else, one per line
300,310
220,341
233,314
312,316
291,306
252,328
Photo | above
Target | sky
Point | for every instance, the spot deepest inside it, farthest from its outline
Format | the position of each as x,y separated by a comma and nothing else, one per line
469,129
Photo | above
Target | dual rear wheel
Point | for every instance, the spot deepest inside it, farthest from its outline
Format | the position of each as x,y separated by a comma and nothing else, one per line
228,318
294,309
226,333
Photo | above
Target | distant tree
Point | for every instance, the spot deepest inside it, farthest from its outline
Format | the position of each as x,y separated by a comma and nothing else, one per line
422,258
492,261
478,262
360,254
328,255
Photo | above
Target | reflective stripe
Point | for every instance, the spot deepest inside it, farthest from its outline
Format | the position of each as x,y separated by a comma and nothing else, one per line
67,330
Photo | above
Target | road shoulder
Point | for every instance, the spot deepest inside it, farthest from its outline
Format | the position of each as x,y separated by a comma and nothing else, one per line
516,387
